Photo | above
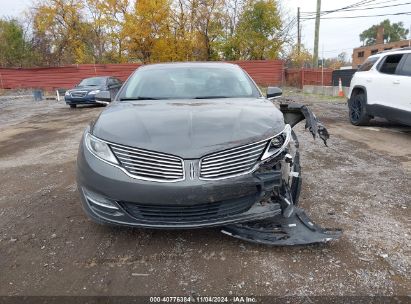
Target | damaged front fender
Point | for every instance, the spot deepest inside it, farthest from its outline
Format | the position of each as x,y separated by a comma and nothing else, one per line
293,226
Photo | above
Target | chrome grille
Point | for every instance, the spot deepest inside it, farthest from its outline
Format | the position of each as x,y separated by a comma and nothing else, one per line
78,94
149,165
172,214
235,161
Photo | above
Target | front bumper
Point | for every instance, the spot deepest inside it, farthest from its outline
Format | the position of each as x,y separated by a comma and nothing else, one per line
185,204
88,99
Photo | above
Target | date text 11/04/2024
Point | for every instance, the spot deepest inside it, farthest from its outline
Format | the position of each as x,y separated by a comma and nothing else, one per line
203,299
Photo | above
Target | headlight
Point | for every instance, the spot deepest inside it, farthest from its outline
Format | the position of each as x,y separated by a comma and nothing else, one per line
277,144
99,148
67,93
93,92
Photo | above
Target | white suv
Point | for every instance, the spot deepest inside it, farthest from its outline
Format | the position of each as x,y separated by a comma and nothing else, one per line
382,87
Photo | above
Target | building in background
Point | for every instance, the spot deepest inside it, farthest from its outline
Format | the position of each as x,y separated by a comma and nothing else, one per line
360,54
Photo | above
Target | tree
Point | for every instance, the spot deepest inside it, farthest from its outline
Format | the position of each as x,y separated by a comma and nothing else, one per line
337,62
392,32
209,22
256,35
61,33
300,59
147,30
108,18
342,57
184,36
98,33
114,31
14,49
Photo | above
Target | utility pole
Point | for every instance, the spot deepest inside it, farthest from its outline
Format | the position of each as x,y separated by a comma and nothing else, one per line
409,40
298,32
317,34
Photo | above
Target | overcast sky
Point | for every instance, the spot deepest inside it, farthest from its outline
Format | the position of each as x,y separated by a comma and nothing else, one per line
336,35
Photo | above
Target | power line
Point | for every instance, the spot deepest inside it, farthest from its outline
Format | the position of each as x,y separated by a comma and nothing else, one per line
363,16
337,50
358,4
382,2
364,8
290,25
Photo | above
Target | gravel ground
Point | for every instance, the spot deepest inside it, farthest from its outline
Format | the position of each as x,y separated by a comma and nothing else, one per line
360,183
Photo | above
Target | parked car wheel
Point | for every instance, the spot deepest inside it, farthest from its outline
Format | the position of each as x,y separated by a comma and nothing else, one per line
357,110
73,106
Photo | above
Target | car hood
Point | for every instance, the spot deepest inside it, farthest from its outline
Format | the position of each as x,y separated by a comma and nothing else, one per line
189,128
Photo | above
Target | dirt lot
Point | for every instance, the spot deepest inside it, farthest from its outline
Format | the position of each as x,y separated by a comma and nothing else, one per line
360,183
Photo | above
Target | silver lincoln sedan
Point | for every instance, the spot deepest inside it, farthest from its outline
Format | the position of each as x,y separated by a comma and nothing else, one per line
191,145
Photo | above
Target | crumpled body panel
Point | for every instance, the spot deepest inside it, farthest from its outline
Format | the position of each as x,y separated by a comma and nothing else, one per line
295,230
293,226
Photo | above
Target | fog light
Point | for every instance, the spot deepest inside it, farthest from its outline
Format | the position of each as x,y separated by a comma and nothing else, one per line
99,200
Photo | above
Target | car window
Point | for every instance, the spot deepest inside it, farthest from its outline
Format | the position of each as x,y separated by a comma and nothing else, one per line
406,68
189,82
367,65
94,81
390,64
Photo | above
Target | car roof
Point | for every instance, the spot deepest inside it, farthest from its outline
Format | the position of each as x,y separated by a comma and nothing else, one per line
391,52
405,50
189,65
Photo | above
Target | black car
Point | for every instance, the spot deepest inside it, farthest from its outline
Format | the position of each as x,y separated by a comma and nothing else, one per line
85,92
192,145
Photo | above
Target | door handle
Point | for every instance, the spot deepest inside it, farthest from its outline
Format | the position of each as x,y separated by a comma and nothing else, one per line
396,82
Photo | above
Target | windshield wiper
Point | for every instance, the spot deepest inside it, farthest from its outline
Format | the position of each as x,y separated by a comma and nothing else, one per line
210,97
139,98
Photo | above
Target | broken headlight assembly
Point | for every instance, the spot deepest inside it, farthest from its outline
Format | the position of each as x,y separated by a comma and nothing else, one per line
277,144
293,226
99,149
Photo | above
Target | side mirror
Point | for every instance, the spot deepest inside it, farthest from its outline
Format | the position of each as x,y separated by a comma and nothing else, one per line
274,92
103,97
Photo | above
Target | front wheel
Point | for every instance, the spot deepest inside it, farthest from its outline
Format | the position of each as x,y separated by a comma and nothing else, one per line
73,106
357,110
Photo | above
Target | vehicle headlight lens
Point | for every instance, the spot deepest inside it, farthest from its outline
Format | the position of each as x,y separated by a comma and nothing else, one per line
67,93
99,149
277,144
93,92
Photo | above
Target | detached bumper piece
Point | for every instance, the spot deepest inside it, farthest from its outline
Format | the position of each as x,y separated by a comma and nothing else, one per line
297,229
294,113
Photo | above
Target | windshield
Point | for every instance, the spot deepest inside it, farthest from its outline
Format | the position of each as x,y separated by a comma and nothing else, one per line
95,81
367,65
189,83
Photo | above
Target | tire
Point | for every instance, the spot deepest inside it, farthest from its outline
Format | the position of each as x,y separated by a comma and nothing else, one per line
73,106
357,110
